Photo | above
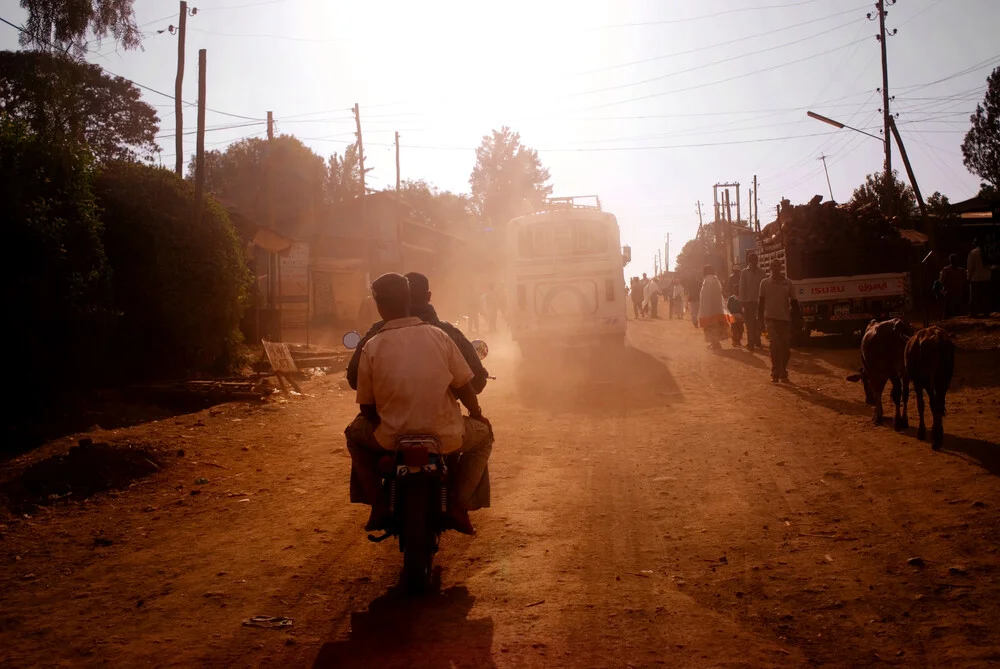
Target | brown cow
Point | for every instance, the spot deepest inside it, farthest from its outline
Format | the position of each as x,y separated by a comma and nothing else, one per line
882,349
930,363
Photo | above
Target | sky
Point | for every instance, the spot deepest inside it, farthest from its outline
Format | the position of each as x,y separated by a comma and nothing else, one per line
644,103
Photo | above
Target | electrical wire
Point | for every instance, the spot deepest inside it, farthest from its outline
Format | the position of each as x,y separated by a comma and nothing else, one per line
722,81
714,63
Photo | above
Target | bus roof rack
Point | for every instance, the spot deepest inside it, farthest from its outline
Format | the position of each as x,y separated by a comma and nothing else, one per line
572,202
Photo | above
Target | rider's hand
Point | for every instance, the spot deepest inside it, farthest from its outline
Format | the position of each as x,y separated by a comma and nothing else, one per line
482,419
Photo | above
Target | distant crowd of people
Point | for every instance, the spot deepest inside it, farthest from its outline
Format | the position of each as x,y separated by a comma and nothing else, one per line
750,301
968,289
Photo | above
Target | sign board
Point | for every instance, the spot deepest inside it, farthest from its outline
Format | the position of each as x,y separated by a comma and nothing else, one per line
295,285
280,357
847,288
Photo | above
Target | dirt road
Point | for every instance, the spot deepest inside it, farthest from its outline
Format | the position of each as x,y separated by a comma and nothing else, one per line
668,508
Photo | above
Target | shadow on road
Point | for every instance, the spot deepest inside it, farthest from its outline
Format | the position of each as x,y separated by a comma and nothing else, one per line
568,380
985,454
833,403
747,358
430,632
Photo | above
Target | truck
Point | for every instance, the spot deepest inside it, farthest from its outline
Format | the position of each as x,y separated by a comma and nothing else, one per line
846,268
565,276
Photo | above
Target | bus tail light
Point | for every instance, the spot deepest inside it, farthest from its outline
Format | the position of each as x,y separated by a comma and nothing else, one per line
522,297
609,290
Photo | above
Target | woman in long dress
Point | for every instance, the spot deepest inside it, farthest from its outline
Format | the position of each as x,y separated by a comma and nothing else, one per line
712,315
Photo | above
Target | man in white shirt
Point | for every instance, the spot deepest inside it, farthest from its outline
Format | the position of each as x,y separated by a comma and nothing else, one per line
980,277
651,294
408,378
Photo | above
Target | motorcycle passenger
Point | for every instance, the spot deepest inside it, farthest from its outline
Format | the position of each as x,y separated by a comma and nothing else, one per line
409,375
420,306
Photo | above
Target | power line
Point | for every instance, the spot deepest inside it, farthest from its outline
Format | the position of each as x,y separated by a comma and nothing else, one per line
135,83
717,62
712,15
726,80
717,44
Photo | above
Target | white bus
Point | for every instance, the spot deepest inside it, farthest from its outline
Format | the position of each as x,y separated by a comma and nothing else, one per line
565,280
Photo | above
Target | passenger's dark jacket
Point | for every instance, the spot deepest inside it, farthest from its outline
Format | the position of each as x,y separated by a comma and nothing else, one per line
427,315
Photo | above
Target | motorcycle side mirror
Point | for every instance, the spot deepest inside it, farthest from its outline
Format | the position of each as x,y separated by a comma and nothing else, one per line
482,350
351,339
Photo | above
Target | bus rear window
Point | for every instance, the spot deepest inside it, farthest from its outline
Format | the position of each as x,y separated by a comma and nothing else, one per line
563,238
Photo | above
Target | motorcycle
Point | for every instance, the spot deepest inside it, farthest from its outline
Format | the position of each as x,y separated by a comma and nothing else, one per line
415,480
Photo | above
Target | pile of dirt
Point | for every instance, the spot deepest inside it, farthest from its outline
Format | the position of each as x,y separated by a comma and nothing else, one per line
974,334
84,471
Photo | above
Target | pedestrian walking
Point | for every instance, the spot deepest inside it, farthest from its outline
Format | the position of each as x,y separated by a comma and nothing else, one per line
635,292
737,326
651,295
980,277
749,294
775,308
953,281
677,299
712,315
692,287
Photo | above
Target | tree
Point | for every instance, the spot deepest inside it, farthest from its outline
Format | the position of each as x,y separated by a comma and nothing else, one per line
438,208
343,176
69,102
64,23
867,198
691,259
57,285
508,180
180,285
939,206
238,176
981,148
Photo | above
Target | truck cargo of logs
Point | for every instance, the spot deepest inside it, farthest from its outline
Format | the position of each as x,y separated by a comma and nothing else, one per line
826,239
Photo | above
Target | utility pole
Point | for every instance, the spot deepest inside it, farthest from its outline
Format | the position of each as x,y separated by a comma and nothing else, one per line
666,255
179,90
397,160
886,115
823,158
364,200
199,171
699,215
755,207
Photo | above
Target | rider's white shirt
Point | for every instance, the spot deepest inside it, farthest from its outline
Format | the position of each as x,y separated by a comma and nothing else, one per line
407,371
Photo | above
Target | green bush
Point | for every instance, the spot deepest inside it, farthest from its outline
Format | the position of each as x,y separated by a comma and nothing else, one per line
180,286
57,286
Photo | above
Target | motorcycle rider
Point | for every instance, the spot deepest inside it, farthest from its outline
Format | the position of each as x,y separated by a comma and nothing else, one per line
409,375
420,306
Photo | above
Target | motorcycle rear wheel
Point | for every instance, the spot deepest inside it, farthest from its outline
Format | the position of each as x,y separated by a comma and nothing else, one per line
418,539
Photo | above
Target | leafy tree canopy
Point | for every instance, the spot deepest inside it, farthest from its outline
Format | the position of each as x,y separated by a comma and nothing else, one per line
343,176
64,101
65,23
436,207
868,196
981,148
508,179
238,176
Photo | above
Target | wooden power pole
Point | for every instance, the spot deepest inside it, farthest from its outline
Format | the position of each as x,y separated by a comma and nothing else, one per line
887,207
397,160
370,250
199,172
179,90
